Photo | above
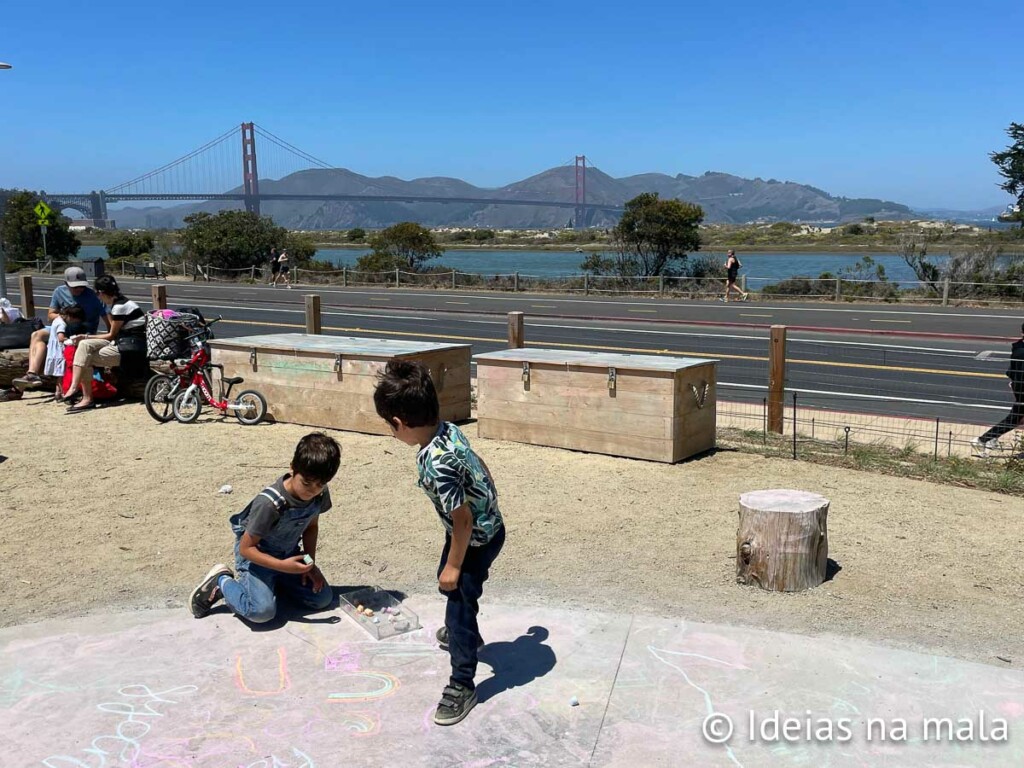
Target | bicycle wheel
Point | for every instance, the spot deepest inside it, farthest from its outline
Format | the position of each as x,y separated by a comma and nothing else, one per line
188,406
255,407
159,396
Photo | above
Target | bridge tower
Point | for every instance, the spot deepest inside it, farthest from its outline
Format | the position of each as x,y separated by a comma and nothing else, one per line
98,205
250,175
580,218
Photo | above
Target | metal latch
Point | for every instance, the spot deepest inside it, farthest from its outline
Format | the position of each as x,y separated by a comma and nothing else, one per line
252,356
700,394
611,379
337,363
526,373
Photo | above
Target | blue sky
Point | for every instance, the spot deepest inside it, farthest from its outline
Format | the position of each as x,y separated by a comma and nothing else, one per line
901,100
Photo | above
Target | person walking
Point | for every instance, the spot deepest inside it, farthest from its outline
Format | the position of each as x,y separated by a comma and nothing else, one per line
1015,373
283,269
275,266
732,269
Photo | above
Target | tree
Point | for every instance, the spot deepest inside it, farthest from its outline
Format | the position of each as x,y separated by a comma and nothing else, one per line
406,244
301,248
1011,167
653,237
356,235
21,236
128,245
231,239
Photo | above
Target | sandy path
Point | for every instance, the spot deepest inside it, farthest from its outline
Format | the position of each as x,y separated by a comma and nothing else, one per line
110,509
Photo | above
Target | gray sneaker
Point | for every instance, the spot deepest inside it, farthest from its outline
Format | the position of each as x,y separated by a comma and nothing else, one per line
982,447
442,639
207,593
456,701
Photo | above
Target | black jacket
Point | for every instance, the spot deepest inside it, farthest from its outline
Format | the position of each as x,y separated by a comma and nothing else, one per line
1016,370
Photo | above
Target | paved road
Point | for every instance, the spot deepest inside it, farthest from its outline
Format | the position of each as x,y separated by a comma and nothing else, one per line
857,369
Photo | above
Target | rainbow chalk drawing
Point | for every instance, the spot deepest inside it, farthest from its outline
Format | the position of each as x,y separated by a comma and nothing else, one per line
386,686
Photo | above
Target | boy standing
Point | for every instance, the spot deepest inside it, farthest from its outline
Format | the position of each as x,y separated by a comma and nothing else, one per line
463,492
268,559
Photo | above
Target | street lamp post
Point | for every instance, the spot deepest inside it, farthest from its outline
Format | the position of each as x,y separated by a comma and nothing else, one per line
3,261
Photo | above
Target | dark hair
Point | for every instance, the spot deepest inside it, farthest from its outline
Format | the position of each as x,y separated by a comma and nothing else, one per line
73,312
406,391
107,285
317,457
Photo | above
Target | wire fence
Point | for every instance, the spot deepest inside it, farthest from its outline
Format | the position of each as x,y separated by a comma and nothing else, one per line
810,432
832,289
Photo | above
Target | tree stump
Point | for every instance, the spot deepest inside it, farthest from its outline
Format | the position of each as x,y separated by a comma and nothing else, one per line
782,540
13,363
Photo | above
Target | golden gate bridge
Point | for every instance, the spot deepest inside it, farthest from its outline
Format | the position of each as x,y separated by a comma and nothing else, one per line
211,172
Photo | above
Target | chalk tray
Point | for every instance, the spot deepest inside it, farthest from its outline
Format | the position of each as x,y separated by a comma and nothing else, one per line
394,618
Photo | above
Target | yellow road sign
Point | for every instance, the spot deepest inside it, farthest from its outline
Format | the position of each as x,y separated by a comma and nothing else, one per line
43,213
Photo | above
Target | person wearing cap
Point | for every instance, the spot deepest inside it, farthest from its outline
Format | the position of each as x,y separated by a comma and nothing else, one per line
75,290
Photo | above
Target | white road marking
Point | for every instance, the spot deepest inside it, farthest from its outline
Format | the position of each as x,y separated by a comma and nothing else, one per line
865,396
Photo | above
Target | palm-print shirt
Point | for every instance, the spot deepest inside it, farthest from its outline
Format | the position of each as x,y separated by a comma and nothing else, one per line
452,475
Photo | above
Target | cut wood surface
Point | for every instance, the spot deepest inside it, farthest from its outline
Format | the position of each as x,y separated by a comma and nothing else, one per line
782,540
315,385
664,413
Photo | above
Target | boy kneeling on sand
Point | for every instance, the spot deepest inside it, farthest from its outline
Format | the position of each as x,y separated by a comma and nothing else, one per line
268,559
461,487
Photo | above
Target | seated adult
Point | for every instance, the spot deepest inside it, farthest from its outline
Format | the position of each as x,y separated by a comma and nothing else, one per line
103,350
75,290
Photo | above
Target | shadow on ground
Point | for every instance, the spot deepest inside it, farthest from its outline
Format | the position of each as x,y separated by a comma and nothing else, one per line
517,663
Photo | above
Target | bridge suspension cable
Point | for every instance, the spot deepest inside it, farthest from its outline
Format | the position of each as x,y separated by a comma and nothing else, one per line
173,166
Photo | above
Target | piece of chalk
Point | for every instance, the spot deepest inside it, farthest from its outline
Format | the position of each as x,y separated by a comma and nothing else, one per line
359,609
376,620
369,612
574,702
307,559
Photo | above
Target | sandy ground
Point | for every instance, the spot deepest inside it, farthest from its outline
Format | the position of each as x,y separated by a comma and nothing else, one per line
109,509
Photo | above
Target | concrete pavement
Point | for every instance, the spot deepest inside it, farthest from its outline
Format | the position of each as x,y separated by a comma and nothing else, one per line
159,688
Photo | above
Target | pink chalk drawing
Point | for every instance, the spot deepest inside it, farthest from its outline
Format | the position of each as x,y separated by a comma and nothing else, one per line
342,662
283,680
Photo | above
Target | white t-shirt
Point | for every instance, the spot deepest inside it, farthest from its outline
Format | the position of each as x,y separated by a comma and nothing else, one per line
134,318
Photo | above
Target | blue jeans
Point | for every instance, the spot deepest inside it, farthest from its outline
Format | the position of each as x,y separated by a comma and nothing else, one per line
252,594
464,605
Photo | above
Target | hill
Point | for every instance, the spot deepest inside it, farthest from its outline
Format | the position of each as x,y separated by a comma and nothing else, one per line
725,198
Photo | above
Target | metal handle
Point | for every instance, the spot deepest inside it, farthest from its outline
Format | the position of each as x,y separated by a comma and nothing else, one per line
252,356
612,379
526,373
337,362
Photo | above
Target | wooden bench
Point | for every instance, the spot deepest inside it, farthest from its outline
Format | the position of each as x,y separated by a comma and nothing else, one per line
147,270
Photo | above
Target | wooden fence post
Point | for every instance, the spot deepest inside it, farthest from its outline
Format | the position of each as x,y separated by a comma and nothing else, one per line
515,283
28,301
516,336
453,279
159,293
396,277
313,313
586,284
776,378
839,289
945,292
344,277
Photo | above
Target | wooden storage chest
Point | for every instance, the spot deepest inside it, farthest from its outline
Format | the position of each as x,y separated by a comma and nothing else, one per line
328,381
641,406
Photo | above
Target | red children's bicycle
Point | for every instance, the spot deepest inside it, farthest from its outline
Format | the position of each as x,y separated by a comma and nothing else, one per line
162,388
249,407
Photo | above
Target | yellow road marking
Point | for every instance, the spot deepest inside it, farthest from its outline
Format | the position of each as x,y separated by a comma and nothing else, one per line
376,299
543,306
890,321
634,350
643,310
456,302
745,315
